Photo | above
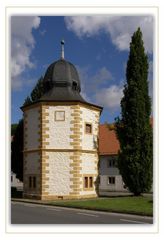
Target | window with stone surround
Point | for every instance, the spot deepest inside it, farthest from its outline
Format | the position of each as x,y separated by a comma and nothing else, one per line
85,182
88,128
59,116
88,182
32,182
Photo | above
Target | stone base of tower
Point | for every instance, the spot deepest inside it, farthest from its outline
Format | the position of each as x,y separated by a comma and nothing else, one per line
61,175
32,196
53,197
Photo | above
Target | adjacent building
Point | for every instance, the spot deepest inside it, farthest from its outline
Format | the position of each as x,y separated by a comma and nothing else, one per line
110,178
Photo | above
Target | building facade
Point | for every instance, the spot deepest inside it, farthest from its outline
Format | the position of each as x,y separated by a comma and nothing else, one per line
60,138
110,178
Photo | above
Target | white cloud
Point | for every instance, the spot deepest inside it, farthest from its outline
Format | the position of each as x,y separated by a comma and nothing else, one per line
102,75
92,83
109,97
85,96
22,43
120,28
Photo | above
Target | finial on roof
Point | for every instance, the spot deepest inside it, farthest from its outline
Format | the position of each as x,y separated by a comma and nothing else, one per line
62,48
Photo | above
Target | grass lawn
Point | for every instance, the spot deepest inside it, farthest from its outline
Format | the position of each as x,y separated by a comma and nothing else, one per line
134,205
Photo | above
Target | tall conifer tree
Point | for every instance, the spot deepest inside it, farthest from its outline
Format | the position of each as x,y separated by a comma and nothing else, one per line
133,128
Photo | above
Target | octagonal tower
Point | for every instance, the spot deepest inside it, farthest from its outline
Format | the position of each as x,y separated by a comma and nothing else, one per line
61,138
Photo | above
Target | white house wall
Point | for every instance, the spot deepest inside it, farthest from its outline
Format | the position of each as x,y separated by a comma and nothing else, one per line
107,171
105,186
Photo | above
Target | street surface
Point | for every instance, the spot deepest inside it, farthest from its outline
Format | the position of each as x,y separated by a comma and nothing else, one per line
28,213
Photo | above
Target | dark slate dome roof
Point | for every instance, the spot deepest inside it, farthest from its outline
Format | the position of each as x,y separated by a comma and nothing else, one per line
62,74
61,82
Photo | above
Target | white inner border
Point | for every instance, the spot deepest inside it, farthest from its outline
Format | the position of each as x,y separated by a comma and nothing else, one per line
63,11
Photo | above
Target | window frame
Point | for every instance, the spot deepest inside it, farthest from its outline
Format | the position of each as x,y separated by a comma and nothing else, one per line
88,123
32,182
55,117
112,162
111,182
89,179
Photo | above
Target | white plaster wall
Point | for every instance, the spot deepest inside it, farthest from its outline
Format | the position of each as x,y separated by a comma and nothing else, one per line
105,186
59,173
32,128
88,167
33,163
105,169
89,141
88,163
59,131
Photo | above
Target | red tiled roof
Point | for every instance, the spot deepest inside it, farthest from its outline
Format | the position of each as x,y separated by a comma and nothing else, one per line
108,143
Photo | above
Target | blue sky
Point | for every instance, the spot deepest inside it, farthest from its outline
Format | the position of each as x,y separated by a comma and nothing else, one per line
97,45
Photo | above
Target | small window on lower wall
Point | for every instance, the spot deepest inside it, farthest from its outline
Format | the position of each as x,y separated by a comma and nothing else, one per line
111,180
85,182
32,182
88,182
91,182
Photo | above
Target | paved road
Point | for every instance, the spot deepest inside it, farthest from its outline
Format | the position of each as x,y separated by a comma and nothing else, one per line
27,213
